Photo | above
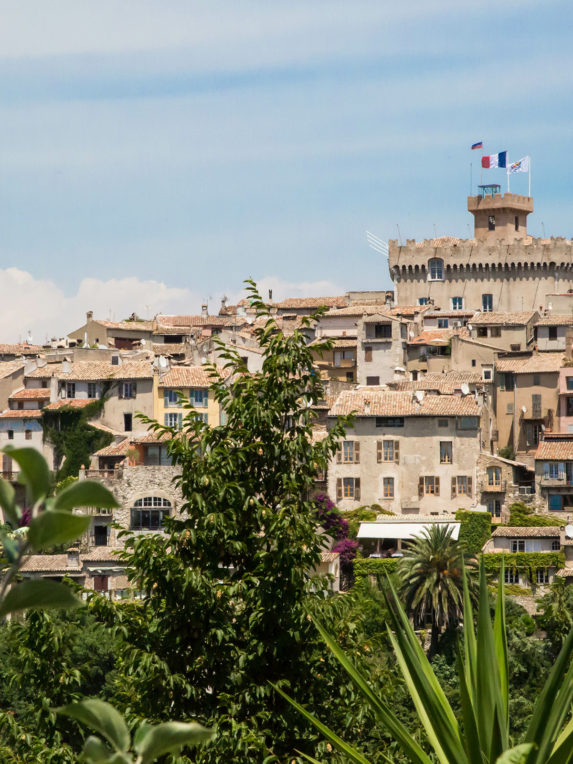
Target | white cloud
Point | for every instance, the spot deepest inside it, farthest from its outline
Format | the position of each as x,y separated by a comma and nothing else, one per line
39,306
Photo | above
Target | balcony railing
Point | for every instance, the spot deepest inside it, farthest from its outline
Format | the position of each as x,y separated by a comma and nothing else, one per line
487,487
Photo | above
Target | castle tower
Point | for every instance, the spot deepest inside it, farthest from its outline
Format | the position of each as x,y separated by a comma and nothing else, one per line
499,216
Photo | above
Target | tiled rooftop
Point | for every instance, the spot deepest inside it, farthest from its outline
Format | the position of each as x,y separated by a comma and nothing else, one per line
115,449
537,363
358,310
127,326
516,532
20,349
375,402
503,319
181,377
443,383
555,450
553,320
311,302
86,371
31,394
71,403
433,337
9,367
21,414
198,320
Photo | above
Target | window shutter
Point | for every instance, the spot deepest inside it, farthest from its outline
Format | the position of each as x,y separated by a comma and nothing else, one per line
166,399
338,489
357,489
454,488
339,456
356,452
470,486
179,421
437,485
368,353
421,486
205,398
133,389
166,420
397,451
378,451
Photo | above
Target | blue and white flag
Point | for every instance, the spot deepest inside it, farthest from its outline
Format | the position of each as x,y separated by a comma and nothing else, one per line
521,166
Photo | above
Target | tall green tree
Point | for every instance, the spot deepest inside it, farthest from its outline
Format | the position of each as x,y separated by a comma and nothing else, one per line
431,573
226,589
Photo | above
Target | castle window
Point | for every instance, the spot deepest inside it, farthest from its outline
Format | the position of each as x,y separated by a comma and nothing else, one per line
457,303
552,332
442,323
422,300
491,223
517,223
487,303
436,269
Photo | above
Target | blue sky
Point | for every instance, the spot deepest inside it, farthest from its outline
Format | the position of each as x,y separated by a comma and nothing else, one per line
155,154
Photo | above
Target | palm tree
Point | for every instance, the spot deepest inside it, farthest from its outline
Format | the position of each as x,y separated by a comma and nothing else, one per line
431,573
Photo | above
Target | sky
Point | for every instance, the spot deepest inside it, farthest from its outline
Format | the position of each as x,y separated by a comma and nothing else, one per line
155,153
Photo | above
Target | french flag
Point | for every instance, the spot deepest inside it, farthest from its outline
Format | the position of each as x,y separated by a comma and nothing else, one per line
494,160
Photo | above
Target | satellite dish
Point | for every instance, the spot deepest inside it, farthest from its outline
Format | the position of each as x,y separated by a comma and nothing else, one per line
465,388
419,396
143,342
569,531
411,333
163,362
523,409
470,327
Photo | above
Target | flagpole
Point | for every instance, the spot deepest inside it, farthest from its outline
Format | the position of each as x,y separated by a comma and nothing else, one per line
471,183
507,172
529,178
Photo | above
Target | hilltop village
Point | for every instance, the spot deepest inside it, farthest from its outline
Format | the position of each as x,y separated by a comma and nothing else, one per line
460,381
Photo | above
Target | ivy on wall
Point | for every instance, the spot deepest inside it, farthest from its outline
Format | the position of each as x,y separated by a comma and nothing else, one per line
73,438
374,566
475,529
531,561
521,515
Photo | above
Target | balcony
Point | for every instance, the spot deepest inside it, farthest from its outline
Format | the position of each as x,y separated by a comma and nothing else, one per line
97,511
556,481
487,487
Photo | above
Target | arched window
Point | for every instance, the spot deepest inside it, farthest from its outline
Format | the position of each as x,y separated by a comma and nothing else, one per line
436,269
494,475
147,514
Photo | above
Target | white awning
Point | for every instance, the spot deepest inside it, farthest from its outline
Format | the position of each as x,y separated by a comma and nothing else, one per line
405,530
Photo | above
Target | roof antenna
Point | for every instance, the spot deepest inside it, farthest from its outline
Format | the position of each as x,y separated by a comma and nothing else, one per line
435,232
543,228
399,234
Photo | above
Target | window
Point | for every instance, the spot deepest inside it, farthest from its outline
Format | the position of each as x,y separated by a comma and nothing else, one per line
20,405
536,406
388,451
422,300
542,576
372,380
556,545
431,485
442,323
128,422
436,269
445,452
554,470
511,576
569,405
507,381
487,375
487,303
343,358
350,452
569,383
199,397
552,332
494,475
127,389
536,380
70,389
350,376
10,434
173,420
457,303
509,408
555,502
473,361
100,535
491,222
494,507
28,434
443,422
388,488
383,331
101,583
462,485
516,222
92,390
348,488
171,399
389,421
149,513
495,331
517,545
368,353
482,331
468,422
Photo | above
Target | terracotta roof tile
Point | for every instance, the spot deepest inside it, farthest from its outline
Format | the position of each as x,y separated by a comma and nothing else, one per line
376,402
85,371
181,377
555,450
503,319
200,320
555,321
527,532
21,414
31,394
130,326
38,563
433,337
445,383
20,349
359,310
9,367
69,403
169,348
312,302
115,449
539,362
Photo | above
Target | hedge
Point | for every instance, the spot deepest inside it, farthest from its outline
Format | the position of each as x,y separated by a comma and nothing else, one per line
475,529
529,560
374,566
520,515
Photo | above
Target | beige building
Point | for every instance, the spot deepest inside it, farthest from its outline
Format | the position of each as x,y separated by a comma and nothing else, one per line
508,540
482,273
554,475
554,333
122,335
407,451
380,352
506,331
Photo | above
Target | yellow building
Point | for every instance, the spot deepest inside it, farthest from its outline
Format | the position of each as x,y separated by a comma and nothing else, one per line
193,382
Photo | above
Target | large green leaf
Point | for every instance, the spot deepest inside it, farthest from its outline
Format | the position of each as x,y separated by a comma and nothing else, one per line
102,717
85,493
8,502
169,737
517,755
500,643
37,594
351,754
53,527
563,750
34,472
95,751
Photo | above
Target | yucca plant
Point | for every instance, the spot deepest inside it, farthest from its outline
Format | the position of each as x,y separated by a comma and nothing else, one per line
482,736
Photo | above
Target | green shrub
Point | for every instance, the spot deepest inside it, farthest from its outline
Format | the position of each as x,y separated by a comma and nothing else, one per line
521,515
374,566
507,452
475,529
523,560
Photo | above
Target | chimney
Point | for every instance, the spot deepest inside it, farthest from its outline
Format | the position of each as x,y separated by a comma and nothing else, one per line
270,295
89,316
73,557
204,311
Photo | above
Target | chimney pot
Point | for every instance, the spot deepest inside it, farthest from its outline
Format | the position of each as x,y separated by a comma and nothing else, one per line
89,315
204,310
